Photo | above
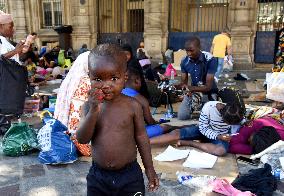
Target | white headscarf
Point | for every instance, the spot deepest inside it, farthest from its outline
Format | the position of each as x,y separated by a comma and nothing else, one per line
69,85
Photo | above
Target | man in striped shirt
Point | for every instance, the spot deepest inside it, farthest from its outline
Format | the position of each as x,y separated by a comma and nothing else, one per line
214,128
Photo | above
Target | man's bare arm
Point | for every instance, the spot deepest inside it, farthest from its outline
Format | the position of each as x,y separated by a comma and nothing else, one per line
18,50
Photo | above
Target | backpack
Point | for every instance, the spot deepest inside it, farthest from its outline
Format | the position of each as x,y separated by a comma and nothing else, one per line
231,95
13,86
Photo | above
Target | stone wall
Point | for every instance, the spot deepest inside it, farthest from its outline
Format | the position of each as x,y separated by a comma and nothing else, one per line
83,18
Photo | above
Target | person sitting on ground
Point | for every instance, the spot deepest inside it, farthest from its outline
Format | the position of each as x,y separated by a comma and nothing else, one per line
114,124
131,89
202,67
132,61
256,136
215,123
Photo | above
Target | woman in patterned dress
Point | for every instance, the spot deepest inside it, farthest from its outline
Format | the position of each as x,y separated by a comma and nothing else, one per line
72,94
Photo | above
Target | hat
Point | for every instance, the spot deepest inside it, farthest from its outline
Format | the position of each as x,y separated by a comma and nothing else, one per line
5,18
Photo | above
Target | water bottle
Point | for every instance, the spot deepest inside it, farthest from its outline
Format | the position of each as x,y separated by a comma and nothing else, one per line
172,74
276,174
183,177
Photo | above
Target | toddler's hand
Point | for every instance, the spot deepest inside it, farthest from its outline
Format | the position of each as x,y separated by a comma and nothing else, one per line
153,179
96,96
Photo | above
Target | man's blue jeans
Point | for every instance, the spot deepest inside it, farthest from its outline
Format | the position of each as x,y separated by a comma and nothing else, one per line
220,67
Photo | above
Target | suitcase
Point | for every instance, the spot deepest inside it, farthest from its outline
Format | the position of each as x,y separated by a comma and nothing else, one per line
13,86
231,95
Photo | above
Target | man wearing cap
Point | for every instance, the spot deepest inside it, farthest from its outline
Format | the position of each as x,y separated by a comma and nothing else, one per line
221,43
7,31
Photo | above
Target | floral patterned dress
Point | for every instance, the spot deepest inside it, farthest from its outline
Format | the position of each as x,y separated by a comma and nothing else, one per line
80,96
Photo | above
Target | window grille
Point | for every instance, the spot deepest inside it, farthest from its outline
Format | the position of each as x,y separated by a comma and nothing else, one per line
118,16
3,5
198,15
270,15
51,13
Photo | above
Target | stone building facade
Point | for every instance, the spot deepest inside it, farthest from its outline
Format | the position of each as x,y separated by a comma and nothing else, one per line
84,16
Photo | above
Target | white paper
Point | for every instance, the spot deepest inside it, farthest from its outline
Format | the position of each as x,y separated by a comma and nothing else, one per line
172,154
200,160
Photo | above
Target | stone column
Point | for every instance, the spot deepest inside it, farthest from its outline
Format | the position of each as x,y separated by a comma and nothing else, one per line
17,9
82,23
242,19
155,27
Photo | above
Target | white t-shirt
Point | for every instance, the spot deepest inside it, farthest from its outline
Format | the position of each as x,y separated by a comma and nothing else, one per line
5,47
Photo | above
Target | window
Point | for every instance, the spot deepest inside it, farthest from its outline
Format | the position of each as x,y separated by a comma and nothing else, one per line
198,15
270,16
3,5
51,13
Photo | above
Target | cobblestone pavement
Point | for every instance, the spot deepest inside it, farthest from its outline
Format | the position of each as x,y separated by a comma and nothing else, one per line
26,176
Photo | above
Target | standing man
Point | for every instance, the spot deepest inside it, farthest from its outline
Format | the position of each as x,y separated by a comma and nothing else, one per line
220,44
201,66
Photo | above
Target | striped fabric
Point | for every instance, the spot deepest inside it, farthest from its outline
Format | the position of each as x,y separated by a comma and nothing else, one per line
210,121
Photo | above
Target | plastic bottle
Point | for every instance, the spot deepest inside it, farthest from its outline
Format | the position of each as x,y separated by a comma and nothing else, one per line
183,177
172,74
276,174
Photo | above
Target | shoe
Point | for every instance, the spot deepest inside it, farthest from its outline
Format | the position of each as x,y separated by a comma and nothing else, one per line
239,77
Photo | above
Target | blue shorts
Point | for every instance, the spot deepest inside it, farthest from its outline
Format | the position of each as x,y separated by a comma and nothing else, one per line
192,132
154,130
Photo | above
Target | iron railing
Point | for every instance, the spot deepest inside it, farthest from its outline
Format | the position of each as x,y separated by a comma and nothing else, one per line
51,13
270,15
119,16
197,15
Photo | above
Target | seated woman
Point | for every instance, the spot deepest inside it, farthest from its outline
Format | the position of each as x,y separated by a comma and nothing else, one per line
72,94
132,87
256,136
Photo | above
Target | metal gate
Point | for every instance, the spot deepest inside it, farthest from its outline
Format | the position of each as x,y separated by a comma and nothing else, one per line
269,21
202,18
120,21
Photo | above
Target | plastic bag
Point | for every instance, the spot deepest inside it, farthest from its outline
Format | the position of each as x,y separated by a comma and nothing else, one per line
56,146
275,86
20,139
228,63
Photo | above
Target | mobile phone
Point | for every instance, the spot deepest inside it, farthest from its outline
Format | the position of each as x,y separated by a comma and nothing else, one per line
254,162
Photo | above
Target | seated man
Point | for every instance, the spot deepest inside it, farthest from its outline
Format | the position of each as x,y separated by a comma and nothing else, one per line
132,87
215,123
201,66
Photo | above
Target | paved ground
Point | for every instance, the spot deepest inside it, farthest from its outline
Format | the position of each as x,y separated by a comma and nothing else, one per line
26,176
